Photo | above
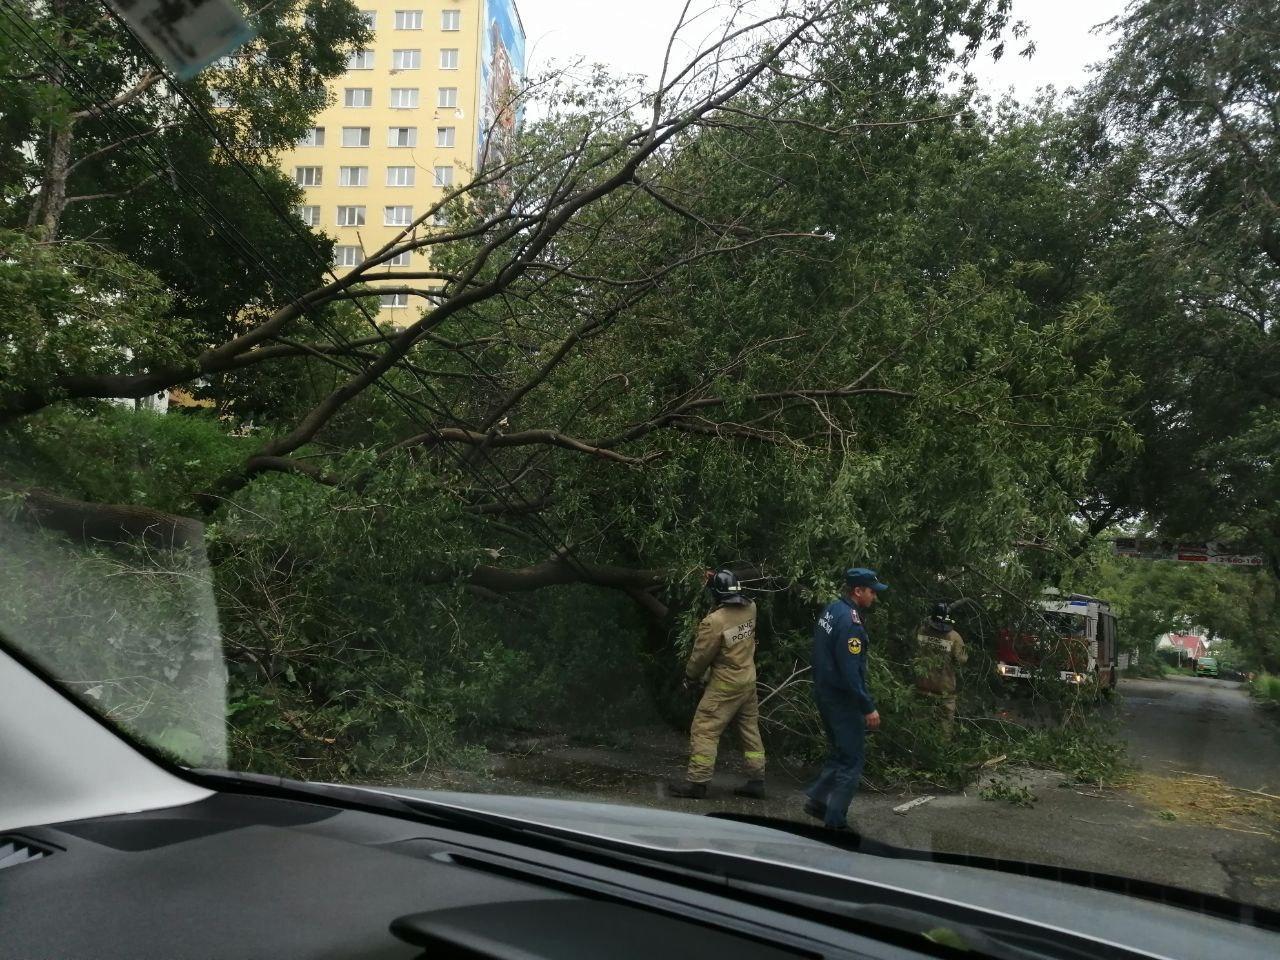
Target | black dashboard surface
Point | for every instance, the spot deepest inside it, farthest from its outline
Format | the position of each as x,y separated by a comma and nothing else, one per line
243,876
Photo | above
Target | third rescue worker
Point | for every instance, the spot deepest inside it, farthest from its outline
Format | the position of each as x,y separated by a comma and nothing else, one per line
939,653
724,658
840,649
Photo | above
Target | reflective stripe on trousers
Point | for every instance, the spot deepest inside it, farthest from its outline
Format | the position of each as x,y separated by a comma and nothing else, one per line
720,705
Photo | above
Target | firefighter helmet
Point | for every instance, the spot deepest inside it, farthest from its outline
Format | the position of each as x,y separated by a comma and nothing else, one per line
725,589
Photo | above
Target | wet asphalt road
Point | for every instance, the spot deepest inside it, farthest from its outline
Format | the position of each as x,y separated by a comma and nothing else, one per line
1201,725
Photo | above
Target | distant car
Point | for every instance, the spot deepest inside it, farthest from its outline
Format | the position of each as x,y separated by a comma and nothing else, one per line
1206,667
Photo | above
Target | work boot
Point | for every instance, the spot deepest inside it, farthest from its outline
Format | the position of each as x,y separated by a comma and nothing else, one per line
816,810
753,789
688,789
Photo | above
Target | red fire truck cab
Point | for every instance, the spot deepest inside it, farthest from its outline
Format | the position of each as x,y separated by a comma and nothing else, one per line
1077,631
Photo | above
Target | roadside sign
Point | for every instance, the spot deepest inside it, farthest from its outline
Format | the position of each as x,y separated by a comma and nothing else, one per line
187,35
1186,551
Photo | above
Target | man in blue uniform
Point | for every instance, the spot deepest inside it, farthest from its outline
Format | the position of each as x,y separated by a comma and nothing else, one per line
840,649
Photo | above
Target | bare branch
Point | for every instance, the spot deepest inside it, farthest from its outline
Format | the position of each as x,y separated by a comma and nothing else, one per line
144,83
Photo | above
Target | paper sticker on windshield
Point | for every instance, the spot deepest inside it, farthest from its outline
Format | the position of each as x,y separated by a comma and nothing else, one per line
187,35
855,645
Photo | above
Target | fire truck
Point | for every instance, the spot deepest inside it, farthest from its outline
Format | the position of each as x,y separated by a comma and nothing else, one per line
1075,631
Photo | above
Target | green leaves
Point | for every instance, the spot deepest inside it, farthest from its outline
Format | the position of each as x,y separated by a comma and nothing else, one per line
79,308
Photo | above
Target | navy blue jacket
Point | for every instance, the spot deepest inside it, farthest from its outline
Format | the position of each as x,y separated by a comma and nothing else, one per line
840,655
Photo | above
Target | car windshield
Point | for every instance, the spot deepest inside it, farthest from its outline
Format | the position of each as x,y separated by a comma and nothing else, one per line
527,398
1067,624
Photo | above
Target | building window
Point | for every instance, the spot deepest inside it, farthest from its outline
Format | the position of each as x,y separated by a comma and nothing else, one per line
308,214
450,19
355,136
445,136
441,219
402,136
406,59
314,137
358,97
404,98
400,176
449,59
353,176
345,256
398,216
360,60
393,300
408,19
448,97
444,176
370,17
400,260
351,216
308,176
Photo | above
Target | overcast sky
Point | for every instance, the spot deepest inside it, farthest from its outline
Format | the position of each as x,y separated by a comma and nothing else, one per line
633,42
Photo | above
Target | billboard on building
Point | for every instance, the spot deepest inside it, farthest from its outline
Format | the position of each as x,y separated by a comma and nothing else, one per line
501,72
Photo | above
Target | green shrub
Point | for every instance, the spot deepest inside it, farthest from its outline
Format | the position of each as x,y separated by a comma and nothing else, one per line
1266,687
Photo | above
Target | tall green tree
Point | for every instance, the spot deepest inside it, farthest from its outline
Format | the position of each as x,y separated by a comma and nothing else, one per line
96,143
1183,122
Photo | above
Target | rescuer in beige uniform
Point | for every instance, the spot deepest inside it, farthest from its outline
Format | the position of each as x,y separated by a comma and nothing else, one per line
723,658
939,652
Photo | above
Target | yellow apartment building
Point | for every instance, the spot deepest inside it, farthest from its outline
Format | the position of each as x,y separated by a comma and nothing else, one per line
408,121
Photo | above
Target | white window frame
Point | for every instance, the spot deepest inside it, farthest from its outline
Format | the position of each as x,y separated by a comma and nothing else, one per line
347,98
408,16
402,259
446,136
411,57
389,211
313,138
450,20
362,133
360,60
399,94
344,217
412,176
447,54
343,252
444,175
452,96
343,180
308,213
393,138
306,181
370,17
398,301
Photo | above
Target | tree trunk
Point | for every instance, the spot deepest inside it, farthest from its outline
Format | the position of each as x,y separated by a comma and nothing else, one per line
53,196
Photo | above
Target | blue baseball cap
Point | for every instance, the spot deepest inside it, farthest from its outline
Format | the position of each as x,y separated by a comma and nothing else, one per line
863,577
